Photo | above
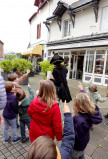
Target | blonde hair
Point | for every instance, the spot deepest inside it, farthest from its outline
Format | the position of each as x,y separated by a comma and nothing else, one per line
42,148
47,93
83,104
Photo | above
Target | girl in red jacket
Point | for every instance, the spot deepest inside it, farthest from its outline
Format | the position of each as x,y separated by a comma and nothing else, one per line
45,113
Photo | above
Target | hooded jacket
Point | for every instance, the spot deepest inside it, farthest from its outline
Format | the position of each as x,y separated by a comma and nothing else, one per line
3,97
82,124
22,109
44,122
11,108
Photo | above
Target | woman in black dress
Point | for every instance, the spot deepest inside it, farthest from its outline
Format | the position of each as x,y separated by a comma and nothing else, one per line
59,74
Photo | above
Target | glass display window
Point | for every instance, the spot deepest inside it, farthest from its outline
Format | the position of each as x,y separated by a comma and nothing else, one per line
89,62
99,61
106,69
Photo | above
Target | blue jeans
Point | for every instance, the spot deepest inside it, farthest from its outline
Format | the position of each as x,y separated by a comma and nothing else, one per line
22,126
12,124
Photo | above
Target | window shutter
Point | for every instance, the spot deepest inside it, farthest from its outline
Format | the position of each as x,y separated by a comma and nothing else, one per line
40,30
37,31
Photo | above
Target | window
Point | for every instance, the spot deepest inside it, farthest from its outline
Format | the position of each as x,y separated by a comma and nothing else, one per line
106,70
89,62
66,28
104,21
38,31
99,61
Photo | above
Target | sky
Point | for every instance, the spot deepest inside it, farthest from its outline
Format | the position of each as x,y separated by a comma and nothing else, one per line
14,24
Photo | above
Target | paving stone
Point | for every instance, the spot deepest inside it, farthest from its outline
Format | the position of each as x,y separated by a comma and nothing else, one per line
4,150
90,149
10,147
87,157
20,157
7,154
100,154
11,157
2,157
17,154
13,151
22,151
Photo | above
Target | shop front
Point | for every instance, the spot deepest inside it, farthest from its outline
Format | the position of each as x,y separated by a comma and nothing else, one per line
84,57
96,66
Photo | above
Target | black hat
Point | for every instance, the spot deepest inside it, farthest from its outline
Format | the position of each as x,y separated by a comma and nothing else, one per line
56,59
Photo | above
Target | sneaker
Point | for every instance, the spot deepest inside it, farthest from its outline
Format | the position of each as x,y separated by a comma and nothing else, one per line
105,116
25,139
106,124
17,140
7,140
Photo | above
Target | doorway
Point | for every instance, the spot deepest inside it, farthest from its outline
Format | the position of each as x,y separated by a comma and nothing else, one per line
76,65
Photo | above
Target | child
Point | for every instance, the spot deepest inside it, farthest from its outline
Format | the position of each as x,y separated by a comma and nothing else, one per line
17,81
2,95
86,114
22,110
45,148
10,112
93,93
45,113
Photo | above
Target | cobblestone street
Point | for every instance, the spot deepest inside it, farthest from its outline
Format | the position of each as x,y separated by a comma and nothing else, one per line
97,147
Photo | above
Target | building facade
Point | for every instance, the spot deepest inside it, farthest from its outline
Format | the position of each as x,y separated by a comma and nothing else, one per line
78,30
38,32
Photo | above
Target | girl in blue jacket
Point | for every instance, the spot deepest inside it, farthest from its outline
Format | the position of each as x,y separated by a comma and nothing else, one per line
86,114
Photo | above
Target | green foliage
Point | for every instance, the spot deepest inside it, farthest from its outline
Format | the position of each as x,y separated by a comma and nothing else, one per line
7,65
46,66
9,57
21,65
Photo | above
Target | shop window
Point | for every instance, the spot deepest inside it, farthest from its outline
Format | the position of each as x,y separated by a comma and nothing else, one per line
104,21
49,56
38,31
99,61
89,62
106,70
66,28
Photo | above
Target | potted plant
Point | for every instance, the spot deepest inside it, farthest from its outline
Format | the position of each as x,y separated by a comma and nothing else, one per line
21,65
46,66
7,67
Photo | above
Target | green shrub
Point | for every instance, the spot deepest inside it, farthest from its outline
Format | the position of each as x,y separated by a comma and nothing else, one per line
46,66
21,65
7,65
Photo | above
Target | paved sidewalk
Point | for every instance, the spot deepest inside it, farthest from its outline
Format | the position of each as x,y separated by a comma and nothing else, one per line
97,147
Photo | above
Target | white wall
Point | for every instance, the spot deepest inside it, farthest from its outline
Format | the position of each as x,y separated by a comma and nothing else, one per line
44,13
84,23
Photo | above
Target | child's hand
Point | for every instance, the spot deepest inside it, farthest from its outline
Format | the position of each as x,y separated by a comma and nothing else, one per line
91,79
28,85
66,108
80,86
28,71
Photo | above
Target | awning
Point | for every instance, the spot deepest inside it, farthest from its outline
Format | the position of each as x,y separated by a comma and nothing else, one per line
36,50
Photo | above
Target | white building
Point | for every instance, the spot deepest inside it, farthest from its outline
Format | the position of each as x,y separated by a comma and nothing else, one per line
38,32
78,30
